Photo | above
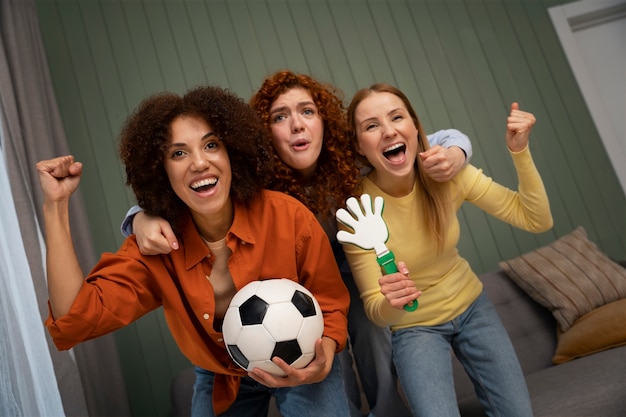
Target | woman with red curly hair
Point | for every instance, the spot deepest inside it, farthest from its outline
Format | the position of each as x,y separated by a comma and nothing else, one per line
314,162
313,159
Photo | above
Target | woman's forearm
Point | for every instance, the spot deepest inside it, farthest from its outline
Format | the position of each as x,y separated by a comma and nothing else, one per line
65,276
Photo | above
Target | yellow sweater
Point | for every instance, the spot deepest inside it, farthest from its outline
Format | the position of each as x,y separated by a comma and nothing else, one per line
447,281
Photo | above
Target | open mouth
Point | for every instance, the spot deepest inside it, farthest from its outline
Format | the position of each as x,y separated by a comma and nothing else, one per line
395,152
204,185
300,143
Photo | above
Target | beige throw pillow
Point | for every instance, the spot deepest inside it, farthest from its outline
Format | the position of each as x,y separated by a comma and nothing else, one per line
570,277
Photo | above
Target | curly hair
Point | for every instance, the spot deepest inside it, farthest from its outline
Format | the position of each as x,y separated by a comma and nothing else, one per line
336,174
434,195
146,135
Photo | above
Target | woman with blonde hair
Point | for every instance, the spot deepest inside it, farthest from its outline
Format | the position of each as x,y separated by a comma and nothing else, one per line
421,215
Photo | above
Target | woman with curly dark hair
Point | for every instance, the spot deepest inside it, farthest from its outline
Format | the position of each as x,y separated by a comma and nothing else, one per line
202,162
314,162
145,139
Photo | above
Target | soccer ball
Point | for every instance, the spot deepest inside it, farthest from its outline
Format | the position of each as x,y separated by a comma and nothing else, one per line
274,317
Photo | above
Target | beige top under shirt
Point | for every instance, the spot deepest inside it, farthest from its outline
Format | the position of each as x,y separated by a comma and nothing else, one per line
223,285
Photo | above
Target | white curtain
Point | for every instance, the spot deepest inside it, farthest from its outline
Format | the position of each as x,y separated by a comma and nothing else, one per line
28,385
88,379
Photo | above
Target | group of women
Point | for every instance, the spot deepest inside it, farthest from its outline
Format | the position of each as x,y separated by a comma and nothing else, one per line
230,192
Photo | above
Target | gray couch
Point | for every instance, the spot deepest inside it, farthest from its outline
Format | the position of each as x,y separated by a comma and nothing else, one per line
591,386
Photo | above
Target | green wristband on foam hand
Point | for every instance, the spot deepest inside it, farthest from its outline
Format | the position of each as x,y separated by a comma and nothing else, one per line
388,264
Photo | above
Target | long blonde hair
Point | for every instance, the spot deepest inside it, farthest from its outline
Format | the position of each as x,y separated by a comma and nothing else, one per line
434,196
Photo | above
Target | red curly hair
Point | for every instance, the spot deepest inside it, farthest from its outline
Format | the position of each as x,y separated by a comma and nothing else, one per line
336,175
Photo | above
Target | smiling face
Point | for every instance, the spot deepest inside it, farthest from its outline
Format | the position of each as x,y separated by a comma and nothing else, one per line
198,169
387,137
297,130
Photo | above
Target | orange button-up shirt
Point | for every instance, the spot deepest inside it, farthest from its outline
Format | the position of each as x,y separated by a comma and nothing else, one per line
274,237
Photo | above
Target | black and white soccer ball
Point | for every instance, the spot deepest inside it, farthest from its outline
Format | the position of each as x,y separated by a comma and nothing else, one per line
274,317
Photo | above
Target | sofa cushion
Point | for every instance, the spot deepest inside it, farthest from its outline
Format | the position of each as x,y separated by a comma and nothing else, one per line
589,386
602,328
570,277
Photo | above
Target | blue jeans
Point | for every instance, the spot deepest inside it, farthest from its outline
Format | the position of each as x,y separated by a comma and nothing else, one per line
480,342
325,398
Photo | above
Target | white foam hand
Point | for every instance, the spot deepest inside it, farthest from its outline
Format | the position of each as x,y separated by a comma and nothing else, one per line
370,230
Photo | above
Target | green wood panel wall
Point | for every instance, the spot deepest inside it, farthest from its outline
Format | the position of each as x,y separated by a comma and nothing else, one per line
461,62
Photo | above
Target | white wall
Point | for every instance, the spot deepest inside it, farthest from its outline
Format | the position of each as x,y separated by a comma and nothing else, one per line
600,71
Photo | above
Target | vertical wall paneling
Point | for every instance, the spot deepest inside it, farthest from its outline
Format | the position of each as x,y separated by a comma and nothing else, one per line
124,56
466,60
106,170
230,50
299,37
486,64
213,67
246,37
73,111
170,62
274,47
461,62
186,46
334,50
497,96
137,39
356,44
513,82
